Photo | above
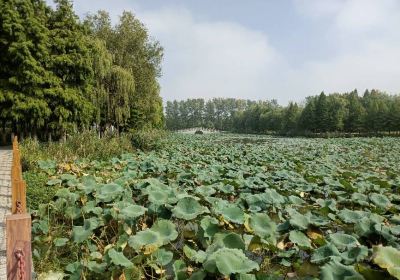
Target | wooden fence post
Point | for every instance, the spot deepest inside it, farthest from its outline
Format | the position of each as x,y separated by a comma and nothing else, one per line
19,254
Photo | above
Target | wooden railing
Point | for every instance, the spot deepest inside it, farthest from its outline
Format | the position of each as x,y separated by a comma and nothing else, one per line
18,224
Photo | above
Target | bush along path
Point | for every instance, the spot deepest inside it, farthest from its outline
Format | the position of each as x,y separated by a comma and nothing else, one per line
5,202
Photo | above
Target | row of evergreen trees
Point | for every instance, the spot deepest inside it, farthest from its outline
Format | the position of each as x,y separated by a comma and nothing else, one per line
373,112
59,74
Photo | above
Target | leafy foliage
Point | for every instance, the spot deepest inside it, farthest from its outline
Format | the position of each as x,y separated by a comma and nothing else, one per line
245,207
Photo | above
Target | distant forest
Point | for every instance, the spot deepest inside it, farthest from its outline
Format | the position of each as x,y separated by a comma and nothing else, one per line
59,74
373,112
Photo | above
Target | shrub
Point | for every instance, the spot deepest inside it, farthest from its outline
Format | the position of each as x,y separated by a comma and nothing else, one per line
148,139
199,132
86,144
38,192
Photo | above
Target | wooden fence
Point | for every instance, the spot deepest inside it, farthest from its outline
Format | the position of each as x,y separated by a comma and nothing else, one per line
18,224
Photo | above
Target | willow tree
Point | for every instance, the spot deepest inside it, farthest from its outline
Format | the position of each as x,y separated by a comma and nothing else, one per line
134,51
120,86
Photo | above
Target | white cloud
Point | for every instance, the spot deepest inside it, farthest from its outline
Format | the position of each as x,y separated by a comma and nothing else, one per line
367,44
211,59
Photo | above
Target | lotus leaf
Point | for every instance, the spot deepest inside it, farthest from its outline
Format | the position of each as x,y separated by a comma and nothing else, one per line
299,221
145,238
337,271
209,226
300,239
351,217
388,258
354,254
188,208
109,192
380,200
233,214
193,255
58,242
166,230
263,226
325,253
118,258
132,211
163,257
228,261
343,241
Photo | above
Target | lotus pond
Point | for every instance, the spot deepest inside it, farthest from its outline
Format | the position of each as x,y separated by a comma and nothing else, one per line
226,207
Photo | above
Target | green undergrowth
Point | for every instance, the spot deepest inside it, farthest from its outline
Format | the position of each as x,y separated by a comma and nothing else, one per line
85,145
225,207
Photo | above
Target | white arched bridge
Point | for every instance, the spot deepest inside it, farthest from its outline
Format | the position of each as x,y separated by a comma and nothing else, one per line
193,130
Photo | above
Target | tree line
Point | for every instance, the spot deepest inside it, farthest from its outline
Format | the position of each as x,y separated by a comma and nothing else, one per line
373,112
60,74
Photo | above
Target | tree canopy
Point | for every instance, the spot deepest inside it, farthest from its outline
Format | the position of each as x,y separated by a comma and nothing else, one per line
60,74
373,112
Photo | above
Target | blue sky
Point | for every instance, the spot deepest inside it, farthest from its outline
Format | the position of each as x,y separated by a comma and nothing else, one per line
269,49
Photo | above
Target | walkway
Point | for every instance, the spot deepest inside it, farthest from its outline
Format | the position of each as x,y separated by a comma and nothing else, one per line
5,203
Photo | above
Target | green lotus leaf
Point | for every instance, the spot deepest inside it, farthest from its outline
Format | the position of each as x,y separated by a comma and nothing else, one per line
166,230
355,254
300,239
193,255
67,177
380,200
271,196
188,209
244,276
96,267
327,203
296,200
163,257
343,241
82,233
54,182
46,164
229,240
395,230
91,207
388,258
227,189
131,211
88,184
205,190
109,192
325,253
228,261
299,221
364,227
359,198
145,238
180,269
198,275
209,226
233,214
59,242
351,217
118,258
337,271
73,212
263,226
158,196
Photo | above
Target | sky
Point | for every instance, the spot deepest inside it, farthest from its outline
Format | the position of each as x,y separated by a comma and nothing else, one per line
268,49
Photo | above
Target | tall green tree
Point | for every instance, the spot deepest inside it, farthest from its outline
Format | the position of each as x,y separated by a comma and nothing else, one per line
24,78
